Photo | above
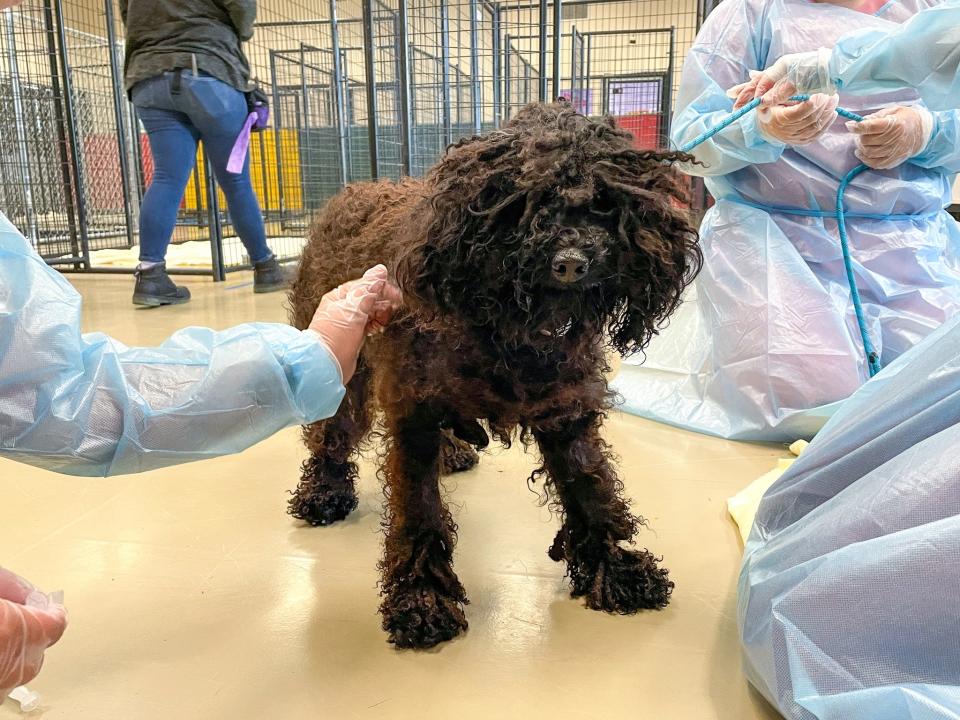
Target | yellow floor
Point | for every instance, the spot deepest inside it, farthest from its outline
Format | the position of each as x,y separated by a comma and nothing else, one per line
193,595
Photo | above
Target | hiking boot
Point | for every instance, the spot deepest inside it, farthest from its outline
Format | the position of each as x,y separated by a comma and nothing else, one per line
270,276
155,288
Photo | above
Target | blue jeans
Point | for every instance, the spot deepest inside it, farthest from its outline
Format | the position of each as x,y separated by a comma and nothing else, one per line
204,109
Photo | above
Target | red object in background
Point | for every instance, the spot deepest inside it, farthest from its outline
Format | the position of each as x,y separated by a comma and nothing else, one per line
645,128
148,165
147,160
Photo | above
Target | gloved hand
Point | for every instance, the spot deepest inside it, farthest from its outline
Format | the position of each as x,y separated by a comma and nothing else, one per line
4,4
806,73
349,312
800,123
891,136
29,624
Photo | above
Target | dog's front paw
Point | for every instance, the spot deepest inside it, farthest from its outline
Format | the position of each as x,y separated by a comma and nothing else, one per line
323,496
420,616
621,581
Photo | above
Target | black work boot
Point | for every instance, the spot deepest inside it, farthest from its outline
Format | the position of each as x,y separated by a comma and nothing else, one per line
270,276
155,288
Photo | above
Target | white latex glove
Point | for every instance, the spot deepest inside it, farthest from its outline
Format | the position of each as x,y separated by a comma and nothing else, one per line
892,136
29,624
800,123
806,73
350,312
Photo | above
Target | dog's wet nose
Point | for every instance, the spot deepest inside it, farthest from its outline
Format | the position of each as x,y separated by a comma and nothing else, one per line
570,266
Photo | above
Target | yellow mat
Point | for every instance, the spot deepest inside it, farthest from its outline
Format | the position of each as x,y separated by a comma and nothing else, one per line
194,254
743,506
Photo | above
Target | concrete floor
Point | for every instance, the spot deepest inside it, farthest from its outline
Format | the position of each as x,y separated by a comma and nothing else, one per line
192,594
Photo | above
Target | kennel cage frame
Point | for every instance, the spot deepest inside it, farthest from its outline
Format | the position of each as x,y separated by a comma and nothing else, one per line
542,70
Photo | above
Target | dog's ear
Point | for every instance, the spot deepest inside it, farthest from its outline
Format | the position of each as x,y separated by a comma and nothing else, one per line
417,268
661,253
454,235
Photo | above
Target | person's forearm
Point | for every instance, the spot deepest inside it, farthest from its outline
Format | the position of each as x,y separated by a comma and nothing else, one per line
923,53
704,104
943,149
87,405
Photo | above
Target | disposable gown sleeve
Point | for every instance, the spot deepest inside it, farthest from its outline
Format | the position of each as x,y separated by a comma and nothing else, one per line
923,53
943,150
88,405
726,50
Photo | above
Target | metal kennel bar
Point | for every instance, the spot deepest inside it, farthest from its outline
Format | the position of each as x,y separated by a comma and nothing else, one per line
122,144
371,78
403,62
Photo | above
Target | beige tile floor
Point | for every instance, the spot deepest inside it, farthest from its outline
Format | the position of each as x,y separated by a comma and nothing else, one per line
193,595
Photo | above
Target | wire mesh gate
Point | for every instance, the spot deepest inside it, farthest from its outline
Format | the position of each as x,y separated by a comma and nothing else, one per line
360,89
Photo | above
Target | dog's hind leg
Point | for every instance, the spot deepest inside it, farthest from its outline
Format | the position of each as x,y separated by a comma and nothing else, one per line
596,520
326,492
422,596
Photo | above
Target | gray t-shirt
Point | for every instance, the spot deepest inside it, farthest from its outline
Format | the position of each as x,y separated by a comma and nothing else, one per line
165,35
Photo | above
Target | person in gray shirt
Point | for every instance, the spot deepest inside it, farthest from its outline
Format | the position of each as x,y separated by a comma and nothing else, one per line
187,75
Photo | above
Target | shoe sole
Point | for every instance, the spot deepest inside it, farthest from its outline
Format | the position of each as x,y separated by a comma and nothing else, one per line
270,288
154,301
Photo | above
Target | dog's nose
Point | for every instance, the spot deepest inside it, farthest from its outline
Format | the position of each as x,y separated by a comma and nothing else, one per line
570,266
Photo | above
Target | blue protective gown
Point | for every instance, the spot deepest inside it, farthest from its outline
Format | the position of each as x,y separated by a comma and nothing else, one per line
848,594
88,405
924,54
768,342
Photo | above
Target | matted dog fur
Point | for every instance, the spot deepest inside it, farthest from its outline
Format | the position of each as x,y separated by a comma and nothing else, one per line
522,256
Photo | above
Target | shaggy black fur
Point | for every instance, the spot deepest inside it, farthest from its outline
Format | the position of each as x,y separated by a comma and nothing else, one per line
491,332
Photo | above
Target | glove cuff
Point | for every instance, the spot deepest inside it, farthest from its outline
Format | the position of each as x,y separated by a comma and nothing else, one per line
927,123
323,343
825,82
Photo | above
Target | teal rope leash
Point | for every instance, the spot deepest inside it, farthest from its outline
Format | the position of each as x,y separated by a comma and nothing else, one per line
873,360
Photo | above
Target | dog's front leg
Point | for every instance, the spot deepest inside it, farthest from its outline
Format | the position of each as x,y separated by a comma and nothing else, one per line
596,522
422,596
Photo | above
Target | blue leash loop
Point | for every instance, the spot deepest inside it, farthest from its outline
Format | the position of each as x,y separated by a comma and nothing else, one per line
873,360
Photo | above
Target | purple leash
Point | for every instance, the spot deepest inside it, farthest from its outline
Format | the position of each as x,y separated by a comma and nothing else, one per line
256,120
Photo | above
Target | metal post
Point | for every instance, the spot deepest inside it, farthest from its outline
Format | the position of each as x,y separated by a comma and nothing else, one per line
118,114
32,228
264,179
197,193
73,135
526,82
497,75
218,269
667,100
337,87
306,144
369,58
475,90
507,89
62,143
403,60
277,125
348,112
445,71
588,81
543,51
557,38
573,66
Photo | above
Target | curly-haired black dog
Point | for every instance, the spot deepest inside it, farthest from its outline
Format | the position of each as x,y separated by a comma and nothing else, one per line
520,255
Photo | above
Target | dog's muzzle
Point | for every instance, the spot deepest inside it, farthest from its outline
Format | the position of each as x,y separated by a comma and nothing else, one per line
570,266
